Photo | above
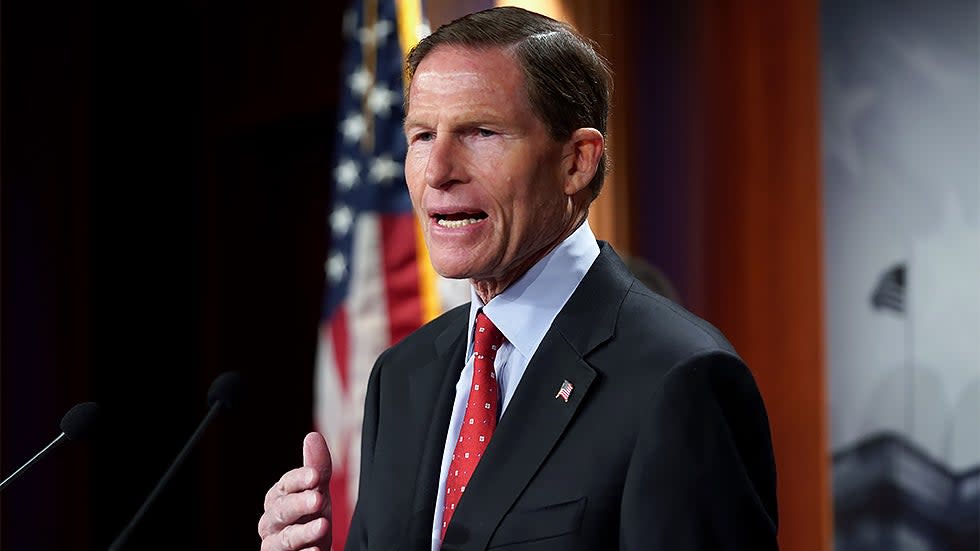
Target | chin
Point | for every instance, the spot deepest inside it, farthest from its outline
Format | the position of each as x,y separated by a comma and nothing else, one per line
451,267
448,269
454,274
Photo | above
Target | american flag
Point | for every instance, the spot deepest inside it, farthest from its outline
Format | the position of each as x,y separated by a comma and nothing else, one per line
565,391
889,293
375,293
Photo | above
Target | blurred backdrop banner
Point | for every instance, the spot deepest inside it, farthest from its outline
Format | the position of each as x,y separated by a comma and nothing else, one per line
902,226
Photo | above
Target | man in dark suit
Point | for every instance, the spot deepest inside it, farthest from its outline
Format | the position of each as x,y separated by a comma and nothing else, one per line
567,406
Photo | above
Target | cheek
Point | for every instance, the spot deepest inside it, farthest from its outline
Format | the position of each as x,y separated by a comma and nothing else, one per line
415,160
542,194
515,177
413,181
415,195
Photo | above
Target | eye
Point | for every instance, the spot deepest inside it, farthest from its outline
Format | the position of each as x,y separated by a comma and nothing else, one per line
484,133
423,136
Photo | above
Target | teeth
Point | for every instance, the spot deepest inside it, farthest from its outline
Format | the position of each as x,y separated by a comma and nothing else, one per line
456,223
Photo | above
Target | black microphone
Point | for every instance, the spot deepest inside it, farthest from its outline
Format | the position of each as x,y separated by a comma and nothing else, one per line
79,423
226,392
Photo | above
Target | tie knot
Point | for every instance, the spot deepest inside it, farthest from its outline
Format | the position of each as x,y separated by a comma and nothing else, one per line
486,338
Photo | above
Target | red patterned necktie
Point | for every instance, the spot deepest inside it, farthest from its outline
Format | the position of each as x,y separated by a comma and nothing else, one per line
481,415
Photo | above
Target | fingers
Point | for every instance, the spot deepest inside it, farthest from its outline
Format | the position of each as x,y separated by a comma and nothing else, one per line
298,537
317,456
291,509
294,481
297,508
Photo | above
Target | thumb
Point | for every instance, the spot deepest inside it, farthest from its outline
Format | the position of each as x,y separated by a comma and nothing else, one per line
317,455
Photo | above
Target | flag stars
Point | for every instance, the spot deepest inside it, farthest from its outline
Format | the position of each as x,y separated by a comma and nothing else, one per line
336,267
353,128
347,173
340,220
360,80
371,36
383,169
380,100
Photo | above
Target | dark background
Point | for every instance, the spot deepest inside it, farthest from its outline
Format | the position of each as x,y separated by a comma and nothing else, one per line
165,181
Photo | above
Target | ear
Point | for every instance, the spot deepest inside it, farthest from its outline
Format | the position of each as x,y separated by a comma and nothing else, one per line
580,159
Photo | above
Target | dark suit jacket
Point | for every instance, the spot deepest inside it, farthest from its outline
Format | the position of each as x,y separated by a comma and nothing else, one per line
663,445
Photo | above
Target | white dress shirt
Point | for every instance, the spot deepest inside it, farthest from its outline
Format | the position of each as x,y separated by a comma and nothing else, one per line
523,313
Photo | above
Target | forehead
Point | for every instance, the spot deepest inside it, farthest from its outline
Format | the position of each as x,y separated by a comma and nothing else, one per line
454,76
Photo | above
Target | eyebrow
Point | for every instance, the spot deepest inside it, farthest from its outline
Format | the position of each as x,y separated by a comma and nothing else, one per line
407,122
464,122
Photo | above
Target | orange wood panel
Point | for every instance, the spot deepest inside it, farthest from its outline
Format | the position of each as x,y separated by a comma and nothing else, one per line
610,215
760,239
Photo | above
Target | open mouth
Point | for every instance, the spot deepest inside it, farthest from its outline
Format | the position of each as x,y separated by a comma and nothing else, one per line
459,219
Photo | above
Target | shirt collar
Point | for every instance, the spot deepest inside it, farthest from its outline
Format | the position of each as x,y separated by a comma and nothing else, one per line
525,310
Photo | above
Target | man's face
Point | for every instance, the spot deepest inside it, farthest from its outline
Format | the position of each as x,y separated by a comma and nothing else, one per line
483,173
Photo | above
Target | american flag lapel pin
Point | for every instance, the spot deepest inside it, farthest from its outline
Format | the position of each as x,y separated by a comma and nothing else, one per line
565,391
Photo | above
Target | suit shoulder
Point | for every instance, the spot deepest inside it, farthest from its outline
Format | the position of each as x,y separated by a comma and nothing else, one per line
420,346
434,329
654,319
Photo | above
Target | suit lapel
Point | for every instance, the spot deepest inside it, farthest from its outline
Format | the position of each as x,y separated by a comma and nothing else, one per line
434,385
528,430
535,419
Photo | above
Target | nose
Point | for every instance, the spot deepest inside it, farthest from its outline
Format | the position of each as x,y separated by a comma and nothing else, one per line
444,166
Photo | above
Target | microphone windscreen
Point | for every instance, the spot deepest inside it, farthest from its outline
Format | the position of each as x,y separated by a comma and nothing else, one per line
81,421
228,388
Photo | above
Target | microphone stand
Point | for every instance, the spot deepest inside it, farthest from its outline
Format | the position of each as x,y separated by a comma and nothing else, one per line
54,443
120,540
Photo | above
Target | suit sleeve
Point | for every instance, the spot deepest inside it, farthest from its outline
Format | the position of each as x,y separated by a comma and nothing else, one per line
702,475
357,537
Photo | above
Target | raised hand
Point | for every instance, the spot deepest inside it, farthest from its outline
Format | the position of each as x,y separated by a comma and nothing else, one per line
297,508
